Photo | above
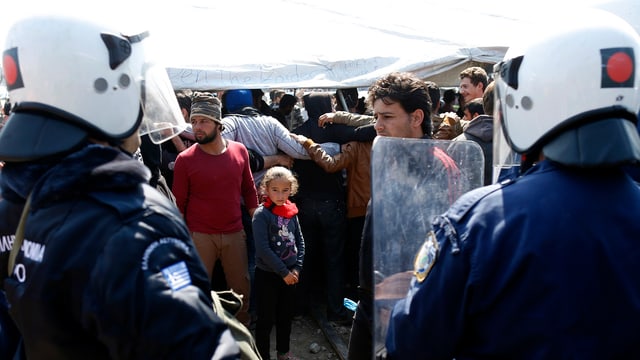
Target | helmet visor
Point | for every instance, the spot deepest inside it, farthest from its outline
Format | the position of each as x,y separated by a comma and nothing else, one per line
506,161
162,118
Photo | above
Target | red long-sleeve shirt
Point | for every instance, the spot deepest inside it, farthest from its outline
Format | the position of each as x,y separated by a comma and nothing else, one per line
209,188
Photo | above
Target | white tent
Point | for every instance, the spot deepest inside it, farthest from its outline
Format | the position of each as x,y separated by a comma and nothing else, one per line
337,43
210,44
326,43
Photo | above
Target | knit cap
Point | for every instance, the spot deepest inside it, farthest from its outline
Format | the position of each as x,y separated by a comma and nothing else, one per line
207,105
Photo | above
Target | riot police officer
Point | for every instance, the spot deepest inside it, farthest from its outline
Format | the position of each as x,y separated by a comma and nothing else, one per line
102,264
546,265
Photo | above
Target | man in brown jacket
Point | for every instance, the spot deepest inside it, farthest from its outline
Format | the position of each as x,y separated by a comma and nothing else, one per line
355,159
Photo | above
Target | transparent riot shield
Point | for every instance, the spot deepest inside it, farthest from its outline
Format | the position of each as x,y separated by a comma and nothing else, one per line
412,180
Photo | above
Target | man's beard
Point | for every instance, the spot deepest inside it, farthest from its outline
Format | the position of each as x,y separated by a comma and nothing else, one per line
207,139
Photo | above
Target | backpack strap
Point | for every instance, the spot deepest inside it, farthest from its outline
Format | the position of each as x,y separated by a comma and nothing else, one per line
19,238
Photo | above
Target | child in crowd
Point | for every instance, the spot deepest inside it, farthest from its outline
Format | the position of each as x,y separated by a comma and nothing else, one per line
279,257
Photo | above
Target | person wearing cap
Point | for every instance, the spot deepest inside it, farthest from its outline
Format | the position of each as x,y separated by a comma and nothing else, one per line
102,265
543,266
210,182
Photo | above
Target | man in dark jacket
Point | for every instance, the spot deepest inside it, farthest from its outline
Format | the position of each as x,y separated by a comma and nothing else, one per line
402,109
322,205
480,130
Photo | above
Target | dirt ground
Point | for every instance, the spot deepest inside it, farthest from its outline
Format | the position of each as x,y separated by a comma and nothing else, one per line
308,341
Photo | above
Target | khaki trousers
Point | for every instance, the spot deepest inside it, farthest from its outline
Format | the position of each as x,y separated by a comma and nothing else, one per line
231,249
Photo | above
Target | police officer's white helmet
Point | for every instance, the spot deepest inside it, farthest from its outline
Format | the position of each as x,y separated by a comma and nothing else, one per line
573,73
71,78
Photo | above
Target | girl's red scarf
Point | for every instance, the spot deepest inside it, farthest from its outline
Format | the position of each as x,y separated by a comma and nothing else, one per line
287,211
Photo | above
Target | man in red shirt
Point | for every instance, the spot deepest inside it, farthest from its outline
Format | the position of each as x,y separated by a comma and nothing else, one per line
210,181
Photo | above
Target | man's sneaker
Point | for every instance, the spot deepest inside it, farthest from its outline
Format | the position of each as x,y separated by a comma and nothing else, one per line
286,356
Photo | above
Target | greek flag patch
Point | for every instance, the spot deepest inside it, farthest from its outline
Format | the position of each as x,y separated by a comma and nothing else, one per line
177,276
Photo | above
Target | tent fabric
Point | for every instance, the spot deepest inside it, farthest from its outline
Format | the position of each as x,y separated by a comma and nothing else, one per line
337,43
221,45
330,44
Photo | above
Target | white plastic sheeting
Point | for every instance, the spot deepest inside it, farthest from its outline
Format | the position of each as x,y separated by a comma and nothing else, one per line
221,44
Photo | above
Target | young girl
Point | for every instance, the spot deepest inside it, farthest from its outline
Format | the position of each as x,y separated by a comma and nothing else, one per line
279,257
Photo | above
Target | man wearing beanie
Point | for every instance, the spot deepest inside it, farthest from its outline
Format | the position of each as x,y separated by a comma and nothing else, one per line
211,179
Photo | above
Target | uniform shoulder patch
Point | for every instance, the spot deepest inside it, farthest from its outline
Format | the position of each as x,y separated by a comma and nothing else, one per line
426,257
177,276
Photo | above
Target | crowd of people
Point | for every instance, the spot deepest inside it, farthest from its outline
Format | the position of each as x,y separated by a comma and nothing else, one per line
123,226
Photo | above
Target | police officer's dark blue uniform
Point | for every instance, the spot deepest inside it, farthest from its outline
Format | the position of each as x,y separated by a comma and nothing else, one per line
544,266
9,217
530,281
102,265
